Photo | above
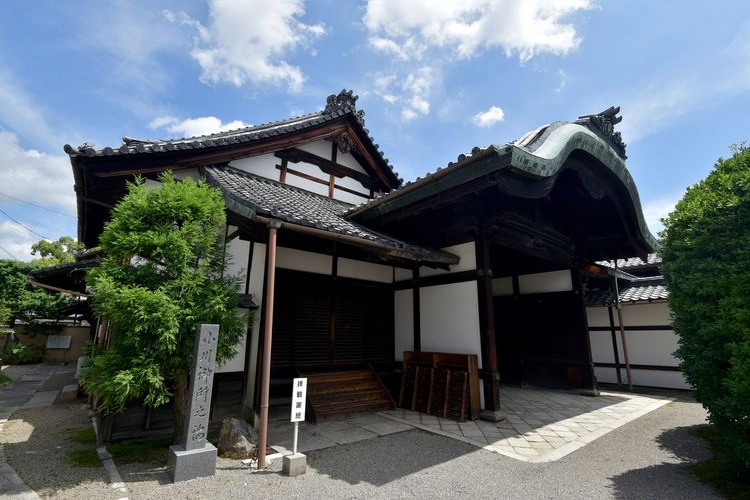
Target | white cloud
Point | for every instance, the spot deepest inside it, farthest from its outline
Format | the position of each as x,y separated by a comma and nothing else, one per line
488,118
436,33
249,41
37,178
20,110
192,127
520,27
413,91
657,209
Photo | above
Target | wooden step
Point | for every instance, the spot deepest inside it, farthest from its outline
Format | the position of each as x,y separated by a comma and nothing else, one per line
341,394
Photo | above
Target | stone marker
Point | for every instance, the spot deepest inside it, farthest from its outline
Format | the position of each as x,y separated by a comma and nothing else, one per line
195,457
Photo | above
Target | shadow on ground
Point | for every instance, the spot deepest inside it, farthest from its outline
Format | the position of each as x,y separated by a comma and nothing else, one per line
674,477
382,460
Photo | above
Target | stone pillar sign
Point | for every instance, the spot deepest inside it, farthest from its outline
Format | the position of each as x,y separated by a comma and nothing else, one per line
195,457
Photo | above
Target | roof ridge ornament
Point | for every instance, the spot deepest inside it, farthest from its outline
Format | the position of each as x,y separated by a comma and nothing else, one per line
603,124
345,101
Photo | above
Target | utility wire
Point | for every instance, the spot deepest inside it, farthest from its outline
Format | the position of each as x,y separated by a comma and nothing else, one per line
23,225
6,251
38,206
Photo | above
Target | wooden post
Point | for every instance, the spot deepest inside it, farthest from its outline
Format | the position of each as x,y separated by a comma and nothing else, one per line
622,332
273,226
491,380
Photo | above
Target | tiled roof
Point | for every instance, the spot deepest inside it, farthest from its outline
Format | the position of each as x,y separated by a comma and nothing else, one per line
637,290
251,195
542,153
633,262
337,106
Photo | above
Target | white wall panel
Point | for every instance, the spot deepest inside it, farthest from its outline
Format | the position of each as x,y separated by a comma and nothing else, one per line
404,323
263,165
449,319
237,258
298,260
502,286
369,271
598,316
655,313
553,281
465,251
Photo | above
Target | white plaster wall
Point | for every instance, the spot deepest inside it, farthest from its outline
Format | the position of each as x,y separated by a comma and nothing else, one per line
653,378
369,271
298,260
449,319
302,183
404,323
655,313
256,284
237,363
502,286
237,259
598,316
354,185
601,347
403,274
553,281
645,347
468,262
348,160
319,148
648,378
263,165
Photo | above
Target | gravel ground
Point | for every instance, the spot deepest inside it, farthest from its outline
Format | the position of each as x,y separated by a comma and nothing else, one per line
643,459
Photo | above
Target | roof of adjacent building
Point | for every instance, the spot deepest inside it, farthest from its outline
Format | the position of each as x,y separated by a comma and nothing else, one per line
653,260
637,290
250,196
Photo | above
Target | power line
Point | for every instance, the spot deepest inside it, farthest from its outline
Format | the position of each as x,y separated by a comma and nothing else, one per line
38,206
6,251
23,225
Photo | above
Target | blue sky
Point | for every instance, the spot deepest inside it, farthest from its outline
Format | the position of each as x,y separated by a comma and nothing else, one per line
435,78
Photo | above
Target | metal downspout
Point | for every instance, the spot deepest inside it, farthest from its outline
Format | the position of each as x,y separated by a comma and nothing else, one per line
265,383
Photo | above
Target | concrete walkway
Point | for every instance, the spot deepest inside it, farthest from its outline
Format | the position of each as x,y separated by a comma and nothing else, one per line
540,425
24,392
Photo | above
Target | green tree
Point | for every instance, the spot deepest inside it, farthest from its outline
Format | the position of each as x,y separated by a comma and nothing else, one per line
706,262
21,301
161,277
62,251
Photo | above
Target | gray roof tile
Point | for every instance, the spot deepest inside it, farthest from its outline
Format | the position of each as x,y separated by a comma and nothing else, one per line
269,198
637,290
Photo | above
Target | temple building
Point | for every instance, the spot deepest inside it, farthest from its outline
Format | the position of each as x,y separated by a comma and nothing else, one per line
488,257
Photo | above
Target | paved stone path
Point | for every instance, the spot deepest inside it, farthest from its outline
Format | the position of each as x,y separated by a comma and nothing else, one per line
540,425
24,392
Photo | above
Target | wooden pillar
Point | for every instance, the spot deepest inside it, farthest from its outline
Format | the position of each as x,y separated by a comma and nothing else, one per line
589,377
417,322
274,225
490,366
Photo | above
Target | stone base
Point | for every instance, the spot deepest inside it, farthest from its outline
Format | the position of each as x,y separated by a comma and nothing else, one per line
590,392
492,416
185,464
68,393
294,464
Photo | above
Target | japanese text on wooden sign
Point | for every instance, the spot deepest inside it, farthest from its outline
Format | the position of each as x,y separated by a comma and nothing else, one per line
299,395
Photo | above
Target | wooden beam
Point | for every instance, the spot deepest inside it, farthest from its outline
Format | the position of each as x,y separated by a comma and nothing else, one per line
296,155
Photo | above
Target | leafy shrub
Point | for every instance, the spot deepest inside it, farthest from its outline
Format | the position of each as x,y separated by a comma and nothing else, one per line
20,354
706,261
